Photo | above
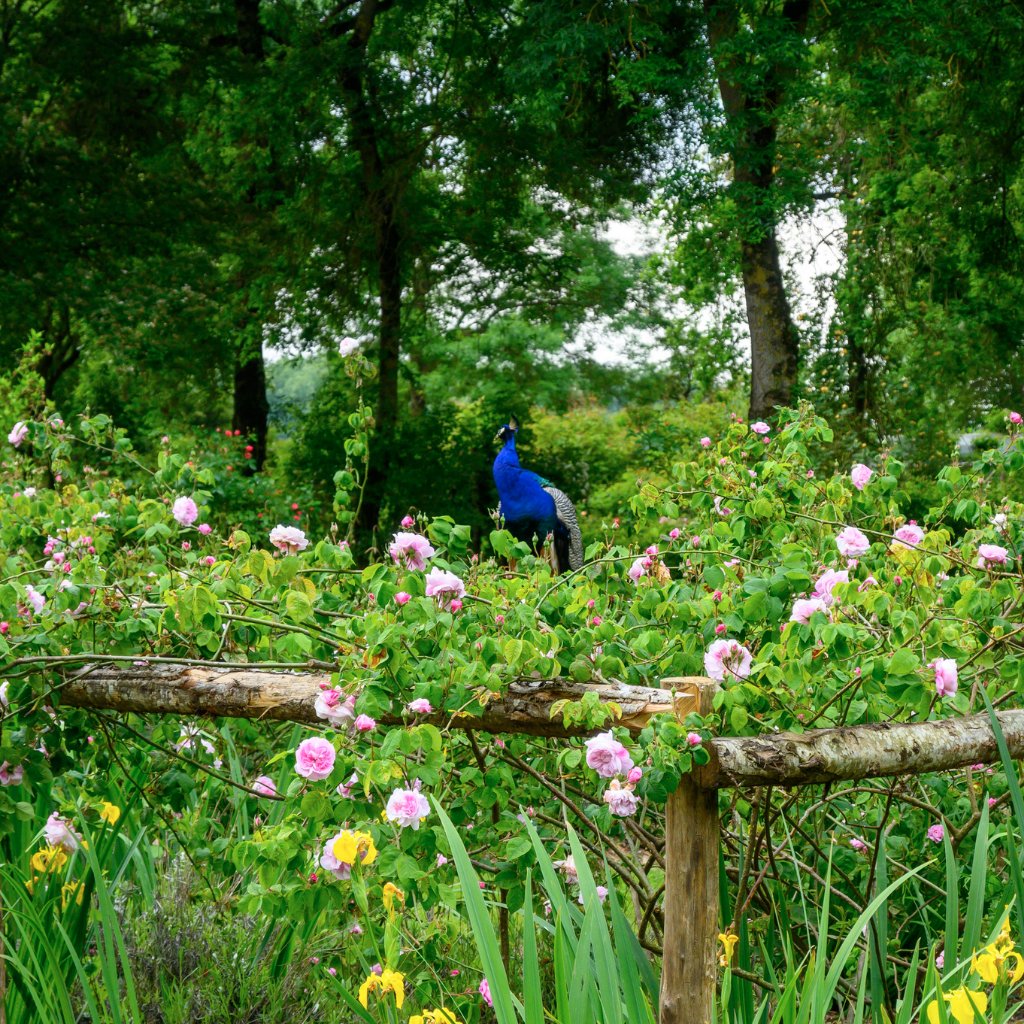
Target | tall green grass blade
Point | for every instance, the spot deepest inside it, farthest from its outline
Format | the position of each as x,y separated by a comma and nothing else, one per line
878,936
951,939
579,984
563,971
563,911
480,922
906,1008
533,1002
637,1009
976,894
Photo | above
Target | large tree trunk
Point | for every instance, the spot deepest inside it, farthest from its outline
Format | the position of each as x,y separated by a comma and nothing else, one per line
251,406
750,113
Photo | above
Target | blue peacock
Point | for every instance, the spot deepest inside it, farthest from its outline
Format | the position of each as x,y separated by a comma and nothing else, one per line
534,507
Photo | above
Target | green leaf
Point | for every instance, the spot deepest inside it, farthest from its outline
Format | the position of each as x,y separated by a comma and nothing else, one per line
297,606
904,662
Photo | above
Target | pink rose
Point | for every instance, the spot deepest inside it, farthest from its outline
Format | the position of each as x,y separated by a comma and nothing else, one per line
334,707
674,534
760,428
936,833
402,598
596,620
826,582
623,802
858,844
989,554
727,659
441,860
638,570
803,610
705,442
607,756
407,807
652,550
344,789
945,676
18,433
500,619
420,706
860,475
908,536
445,586
485,991
314,758
408,523
364,723
11,776
58,832
851,542
205,529
1015,417
265,786
693,738
184,511
288,539
635,775
411,550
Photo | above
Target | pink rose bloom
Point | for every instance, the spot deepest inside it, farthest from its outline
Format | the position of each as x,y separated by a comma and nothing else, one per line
445,586
637,570
289,539
674,534
18,433
945,676
420,706
485,991
205,529
992,801
869,582
408,522
635,775
826,582
858,844
936,833
810,474
568,868
11,776
411,550
727,659
705,442
186,546
908,536
596,620
344,789
347,346
441,860
184,511
652,550
456,605
860,475
210,560
332,706
402,598
58,832
329,862
940,960
760,428
265,786
718,507
607,756
364,723
407,807
988,554
314,758
623,802
693,738
1015,417
805,608
851,542
35,599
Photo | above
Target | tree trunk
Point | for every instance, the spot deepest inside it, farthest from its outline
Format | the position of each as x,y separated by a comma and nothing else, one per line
251,405
750,113
390,284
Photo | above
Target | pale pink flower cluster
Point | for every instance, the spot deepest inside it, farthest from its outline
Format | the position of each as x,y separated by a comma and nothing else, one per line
908,536
860,475
334,707
639,568
852,543
406,807
988,555
34,598
826,584
18,433
289,539
184,511
621,799
314,758
804,608
760,427
265,786
446,587
411,550
58,831
568,868
727,659
420,706
936,833
607,756
347,346
945,676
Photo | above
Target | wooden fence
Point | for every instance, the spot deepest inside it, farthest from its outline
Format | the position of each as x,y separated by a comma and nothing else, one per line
689,963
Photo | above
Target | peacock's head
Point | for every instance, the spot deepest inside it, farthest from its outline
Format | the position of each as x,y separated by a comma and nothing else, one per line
508,431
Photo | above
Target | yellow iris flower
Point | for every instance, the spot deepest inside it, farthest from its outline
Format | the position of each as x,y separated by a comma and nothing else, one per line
350,846
49,858
389,981
110,812
728,946
77,890
960,1007
999,961
392,893
438,1016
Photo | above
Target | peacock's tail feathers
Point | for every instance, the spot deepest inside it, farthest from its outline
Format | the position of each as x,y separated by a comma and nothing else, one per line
566,512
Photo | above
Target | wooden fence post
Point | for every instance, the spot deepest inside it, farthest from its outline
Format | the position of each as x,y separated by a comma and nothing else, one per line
689,961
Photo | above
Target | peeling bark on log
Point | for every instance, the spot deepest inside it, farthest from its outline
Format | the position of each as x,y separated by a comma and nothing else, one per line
859,752
284,696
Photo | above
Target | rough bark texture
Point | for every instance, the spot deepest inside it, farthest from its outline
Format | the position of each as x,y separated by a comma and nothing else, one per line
859,752
689,967
283,696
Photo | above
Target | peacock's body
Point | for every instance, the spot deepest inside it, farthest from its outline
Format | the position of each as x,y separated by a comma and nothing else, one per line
534,507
